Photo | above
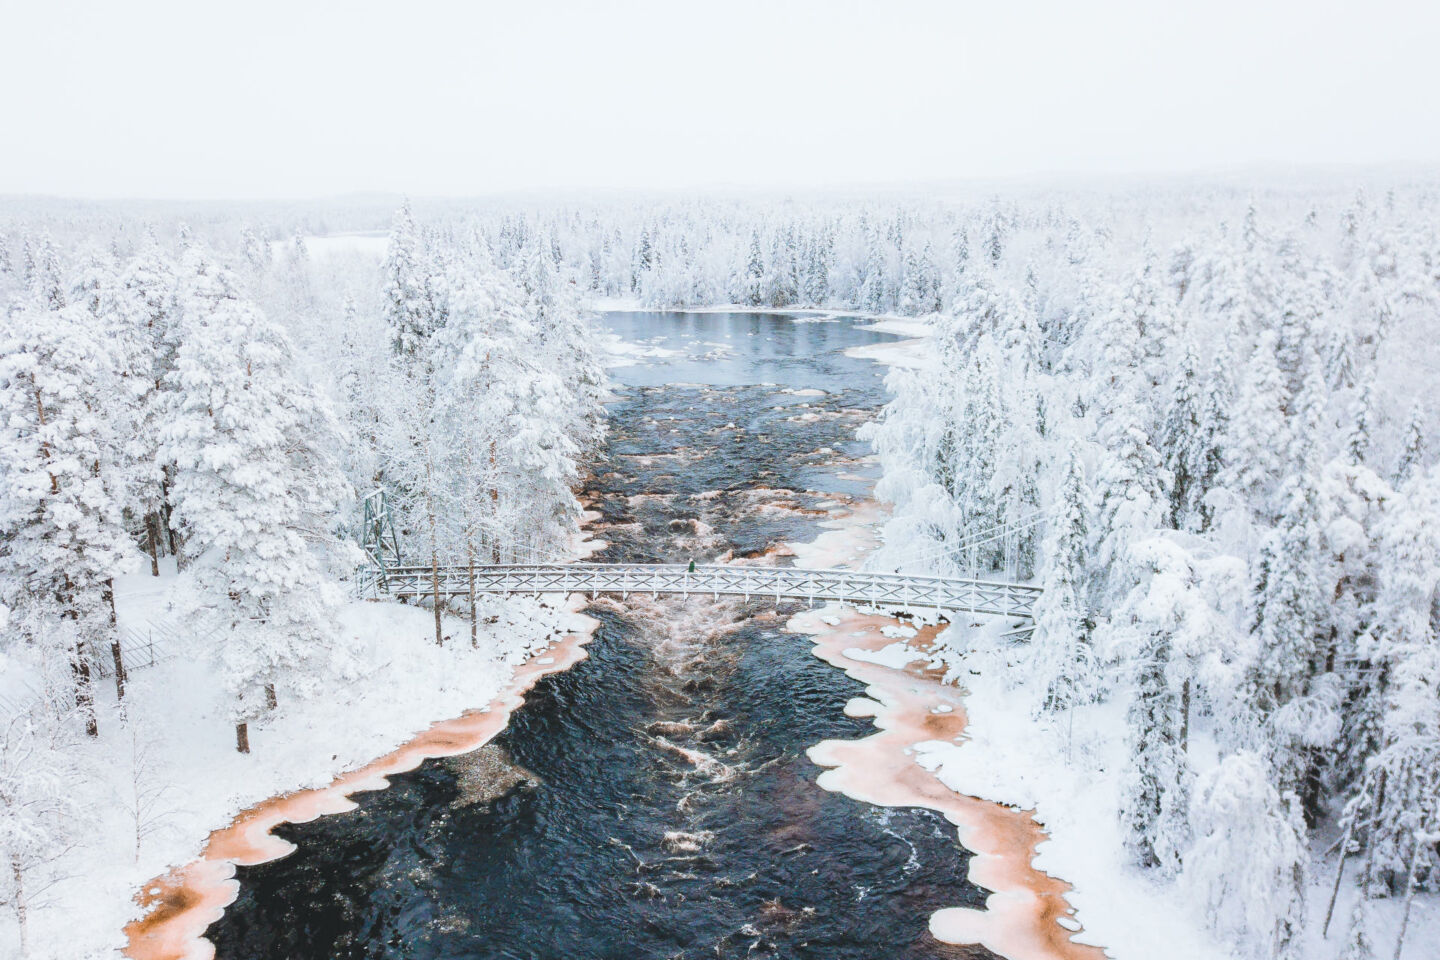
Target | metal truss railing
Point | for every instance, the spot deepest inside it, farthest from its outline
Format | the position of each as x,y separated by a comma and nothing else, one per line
884,590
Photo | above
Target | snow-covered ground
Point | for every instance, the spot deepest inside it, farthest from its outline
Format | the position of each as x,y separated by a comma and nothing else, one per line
174,754
1069,770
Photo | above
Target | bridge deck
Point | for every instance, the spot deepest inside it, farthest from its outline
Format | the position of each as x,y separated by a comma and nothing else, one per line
887,590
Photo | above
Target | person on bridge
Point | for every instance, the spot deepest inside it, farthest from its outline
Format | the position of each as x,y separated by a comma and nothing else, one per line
691,568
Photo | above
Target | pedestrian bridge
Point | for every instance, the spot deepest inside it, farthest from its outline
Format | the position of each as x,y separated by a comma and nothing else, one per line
889,591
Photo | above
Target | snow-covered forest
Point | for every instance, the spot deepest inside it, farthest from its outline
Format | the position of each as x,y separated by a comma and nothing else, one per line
213,418
1200,416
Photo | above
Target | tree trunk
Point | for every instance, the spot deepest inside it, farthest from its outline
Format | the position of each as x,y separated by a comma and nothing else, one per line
434,545
271,701
84,696
1185,717
494,511
168,516
242,737
474,615
115,652
21,905
152,541
120,676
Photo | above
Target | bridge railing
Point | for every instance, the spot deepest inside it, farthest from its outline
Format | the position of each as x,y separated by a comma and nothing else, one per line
894,591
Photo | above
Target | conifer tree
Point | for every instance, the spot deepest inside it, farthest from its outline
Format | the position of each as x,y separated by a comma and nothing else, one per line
255,487
1130,485
1178,443
1208,455
1357,443
874,282
409,312
1062,658
753,279
60,489
47,283
1155,801
1247,868
1258,432
1412,454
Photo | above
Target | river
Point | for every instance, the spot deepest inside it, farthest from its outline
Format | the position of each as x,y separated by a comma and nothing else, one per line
655,800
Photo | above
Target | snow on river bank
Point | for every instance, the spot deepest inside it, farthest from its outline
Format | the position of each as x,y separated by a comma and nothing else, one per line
173,757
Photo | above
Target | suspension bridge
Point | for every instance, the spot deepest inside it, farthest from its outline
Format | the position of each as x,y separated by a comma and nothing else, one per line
389,577
890,591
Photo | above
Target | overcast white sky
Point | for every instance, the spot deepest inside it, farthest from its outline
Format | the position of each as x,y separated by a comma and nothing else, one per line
290,99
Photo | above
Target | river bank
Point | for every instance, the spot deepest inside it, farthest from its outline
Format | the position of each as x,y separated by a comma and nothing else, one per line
181,905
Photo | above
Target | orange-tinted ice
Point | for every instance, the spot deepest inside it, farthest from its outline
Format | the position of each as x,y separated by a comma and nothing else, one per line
181,905
912,706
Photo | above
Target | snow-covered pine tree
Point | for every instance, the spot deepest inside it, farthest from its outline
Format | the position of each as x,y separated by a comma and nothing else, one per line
255,492
148,319
60,489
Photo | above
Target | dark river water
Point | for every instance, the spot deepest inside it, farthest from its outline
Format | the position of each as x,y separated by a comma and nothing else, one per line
655,800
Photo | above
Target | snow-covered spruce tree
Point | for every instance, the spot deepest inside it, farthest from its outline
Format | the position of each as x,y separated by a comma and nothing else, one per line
409,311
1208,455
1169,599
1339,360
1258,435
255,492
63,539
1399,798
1412,454
1184,458
1358,945
1156,791
568,349
1062,660
1353,503
752,291
1130,485
1357,439
875,282
1247,867
479,386
1301,716
47,285
780,289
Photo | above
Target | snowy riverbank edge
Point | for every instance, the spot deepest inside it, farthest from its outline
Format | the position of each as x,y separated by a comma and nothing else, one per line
173,755
1069,772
